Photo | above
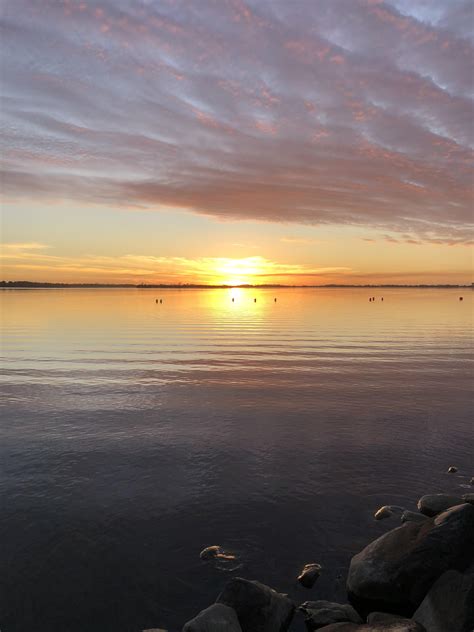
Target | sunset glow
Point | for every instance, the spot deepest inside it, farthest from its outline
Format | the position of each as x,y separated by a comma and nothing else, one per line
245,142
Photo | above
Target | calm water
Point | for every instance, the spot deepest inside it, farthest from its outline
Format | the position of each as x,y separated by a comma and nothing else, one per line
134,434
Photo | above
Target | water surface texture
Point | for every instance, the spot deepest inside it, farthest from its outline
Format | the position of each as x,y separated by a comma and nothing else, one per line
136,433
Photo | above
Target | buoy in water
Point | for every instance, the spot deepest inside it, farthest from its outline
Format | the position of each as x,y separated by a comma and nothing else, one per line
460,298
274,300
254,300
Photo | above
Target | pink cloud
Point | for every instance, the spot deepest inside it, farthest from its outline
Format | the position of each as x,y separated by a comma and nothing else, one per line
354,113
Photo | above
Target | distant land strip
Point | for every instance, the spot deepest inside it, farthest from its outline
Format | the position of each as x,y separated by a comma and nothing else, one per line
25,285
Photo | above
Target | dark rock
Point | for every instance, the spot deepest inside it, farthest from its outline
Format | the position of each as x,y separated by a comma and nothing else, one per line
468,498
258,607
452,469
433,504
215,552
344,627
449,605
384,618
209,552
395,572
413,516
319,613
309,575
472,481
216,618
402,625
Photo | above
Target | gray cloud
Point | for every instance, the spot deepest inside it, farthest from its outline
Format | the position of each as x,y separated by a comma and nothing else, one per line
354,112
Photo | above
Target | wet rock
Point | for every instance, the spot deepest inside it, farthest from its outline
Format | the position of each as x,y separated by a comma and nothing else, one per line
468,498
309,575
472,481
215,552
258,607
216,618
413,516
383,512
320,613
452,469
449,605
433,504
395,572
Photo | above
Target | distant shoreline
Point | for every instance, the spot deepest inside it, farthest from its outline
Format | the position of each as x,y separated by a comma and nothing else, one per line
34,285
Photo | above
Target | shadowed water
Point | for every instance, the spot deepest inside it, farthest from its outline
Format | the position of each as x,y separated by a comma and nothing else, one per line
134,434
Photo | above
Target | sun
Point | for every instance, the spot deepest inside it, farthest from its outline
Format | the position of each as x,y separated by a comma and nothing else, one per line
234,272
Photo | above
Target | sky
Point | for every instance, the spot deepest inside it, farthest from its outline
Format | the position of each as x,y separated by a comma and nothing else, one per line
237,141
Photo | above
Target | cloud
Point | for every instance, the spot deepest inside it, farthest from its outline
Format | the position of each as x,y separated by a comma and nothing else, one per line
352,113
300,240
21,247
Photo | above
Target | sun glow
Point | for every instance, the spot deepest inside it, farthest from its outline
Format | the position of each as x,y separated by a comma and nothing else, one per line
236,272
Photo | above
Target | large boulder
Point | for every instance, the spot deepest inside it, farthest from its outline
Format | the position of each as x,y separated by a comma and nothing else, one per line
395,572
320,613
345,627
386,621
216,618
434,504
400,625
386,617
258,607
413,516
449,605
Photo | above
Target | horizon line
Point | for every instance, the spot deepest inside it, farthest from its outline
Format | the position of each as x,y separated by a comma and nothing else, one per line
64,285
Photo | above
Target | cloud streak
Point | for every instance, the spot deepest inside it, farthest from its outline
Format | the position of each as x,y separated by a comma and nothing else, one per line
348,112
29,258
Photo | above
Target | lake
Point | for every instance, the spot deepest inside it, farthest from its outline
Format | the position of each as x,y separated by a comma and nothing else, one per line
136,433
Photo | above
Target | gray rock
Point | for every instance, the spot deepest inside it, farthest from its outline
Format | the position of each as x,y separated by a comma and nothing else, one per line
413,516
216,618
433,504
468,498
449,605
395,572
309,575
472,481
320,613
258,607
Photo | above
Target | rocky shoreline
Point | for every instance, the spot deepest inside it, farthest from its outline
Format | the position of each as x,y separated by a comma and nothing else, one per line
417,577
